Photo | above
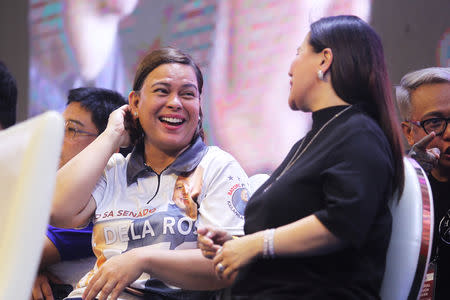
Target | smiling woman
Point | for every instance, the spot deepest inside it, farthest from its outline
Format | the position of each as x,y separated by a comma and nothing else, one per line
146,207
168,105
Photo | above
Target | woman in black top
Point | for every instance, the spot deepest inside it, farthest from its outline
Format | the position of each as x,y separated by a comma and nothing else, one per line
319,227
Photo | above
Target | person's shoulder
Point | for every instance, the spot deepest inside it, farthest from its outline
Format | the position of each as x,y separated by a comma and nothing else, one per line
217,158
218,163
215,153
359,122
359,130
362,119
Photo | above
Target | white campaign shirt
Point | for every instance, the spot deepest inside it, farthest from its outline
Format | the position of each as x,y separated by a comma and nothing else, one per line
161,210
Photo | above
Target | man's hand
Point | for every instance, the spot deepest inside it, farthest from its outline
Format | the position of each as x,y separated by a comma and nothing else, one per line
427,158
41,287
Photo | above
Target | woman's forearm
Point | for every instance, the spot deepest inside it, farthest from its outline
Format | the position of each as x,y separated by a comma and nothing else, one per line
75,181
305,237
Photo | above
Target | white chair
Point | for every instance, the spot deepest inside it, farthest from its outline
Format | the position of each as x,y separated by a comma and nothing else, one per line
29,156
71,271
256,181
412,230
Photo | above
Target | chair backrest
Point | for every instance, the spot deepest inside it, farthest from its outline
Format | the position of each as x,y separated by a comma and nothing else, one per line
29,156
412,231
70,271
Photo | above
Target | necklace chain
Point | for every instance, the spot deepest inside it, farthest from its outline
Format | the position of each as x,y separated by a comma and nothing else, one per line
298,154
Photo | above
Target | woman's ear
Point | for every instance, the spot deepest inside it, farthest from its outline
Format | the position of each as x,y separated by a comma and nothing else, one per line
327,59
133,100
408,132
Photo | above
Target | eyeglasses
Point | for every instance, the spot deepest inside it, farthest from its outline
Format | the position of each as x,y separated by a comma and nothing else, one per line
71,130
438,125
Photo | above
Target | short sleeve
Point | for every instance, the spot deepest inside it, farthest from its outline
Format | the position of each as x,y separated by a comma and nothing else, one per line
100,188
225,194
356,186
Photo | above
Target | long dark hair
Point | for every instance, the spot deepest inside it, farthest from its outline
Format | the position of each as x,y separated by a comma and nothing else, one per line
150,62
359,76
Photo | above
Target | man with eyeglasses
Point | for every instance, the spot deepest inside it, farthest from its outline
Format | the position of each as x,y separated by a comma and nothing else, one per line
423,97
86,116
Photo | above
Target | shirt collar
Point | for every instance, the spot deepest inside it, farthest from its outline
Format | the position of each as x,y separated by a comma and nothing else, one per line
185,163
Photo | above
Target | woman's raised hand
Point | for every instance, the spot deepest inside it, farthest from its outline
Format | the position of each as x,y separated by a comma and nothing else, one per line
116,126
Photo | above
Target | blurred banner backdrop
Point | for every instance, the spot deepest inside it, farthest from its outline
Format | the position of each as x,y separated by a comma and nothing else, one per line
244,48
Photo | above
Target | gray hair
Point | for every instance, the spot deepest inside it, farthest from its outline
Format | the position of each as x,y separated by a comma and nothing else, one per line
412,81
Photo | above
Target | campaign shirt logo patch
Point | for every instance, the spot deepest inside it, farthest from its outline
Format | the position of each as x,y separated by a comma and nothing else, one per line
239,198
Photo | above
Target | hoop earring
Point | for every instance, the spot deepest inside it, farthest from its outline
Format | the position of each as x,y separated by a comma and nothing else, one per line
320,75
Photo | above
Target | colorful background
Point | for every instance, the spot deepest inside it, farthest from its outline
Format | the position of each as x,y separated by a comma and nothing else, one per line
243,47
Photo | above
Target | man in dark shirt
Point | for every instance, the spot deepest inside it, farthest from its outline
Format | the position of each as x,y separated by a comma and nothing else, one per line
423,97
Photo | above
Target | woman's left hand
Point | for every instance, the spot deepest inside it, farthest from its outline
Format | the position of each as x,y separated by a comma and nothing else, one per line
237,253
116,126
113,276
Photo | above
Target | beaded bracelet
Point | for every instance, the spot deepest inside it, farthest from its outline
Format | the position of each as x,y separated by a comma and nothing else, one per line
268,247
